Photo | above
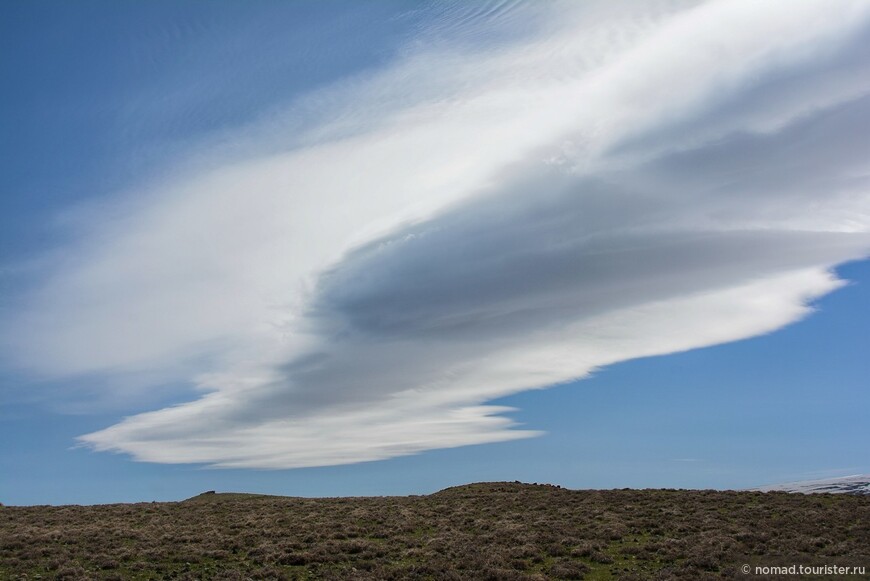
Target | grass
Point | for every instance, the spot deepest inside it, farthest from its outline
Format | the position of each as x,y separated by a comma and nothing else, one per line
479,531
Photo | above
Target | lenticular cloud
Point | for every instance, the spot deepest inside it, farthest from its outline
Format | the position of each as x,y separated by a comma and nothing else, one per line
539,191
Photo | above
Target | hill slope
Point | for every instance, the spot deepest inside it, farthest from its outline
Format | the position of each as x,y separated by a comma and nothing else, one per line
480,531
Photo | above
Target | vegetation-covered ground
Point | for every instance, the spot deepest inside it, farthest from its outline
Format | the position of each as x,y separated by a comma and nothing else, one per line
479,531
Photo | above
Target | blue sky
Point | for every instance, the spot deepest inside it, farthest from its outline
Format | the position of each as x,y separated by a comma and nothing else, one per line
325,248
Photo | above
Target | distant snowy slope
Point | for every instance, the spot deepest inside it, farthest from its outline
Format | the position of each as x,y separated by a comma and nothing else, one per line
857,484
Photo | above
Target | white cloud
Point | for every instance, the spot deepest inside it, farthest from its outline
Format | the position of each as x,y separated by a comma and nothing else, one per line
433,406
630,179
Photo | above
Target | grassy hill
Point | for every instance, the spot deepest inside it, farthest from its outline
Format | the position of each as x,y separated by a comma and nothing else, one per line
478,531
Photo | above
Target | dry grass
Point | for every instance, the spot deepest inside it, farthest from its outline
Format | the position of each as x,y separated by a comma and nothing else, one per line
479,531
